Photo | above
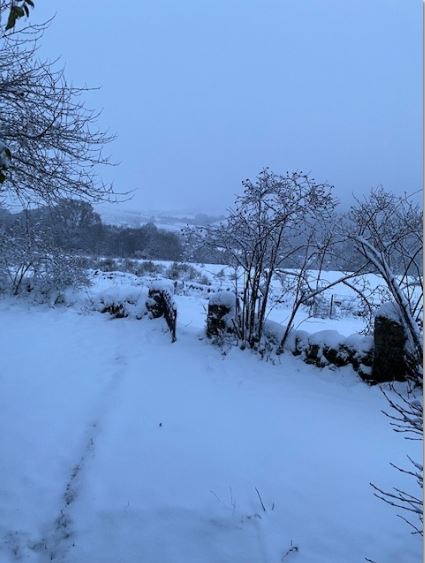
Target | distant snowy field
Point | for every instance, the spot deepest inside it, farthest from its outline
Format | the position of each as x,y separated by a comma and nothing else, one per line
168,221
118,446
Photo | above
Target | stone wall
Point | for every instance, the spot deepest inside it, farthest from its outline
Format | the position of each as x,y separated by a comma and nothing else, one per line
329,348
377,358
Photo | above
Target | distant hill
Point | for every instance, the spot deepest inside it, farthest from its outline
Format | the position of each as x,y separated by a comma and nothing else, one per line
170,221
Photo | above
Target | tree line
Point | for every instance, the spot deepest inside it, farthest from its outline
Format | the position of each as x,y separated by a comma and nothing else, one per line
75,227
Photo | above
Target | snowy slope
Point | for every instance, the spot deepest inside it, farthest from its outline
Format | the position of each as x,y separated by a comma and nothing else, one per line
123,447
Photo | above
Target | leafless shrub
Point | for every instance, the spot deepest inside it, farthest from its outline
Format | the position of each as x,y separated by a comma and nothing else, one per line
266,229
406,417
386,231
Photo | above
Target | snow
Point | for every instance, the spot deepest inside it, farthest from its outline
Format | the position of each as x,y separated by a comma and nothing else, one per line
333,339
162,285
273,330
362,344
123,447
329,338
226,298
297,340
133,302
221,280
389,311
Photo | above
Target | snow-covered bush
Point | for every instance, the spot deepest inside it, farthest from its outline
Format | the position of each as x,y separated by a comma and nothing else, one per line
107,265
57,273
30,263
186,272
148,267
136,267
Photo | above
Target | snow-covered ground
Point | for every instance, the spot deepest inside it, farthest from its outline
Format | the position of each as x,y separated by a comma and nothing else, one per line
220,278
118,446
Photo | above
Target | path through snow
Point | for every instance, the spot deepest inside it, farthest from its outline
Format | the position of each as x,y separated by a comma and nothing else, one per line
154,452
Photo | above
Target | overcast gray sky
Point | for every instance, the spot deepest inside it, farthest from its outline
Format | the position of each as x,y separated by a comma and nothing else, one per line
204,93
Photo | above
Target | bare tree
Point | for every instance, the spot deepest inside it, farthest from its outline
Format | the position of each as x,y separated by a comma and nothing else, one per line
259,236
382,235
386,231
50,146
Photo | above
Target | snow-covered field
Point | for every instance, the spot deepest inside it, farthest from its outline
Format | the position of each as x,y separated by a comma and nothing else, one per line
118,446
221,278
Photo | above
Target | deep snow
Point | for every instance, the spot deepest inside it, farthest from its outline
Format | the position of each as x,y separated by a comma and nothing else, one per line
118,446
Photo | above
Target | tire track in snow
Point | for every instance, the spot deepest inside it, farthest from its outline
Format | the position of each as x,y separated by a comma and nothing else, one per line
56,543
